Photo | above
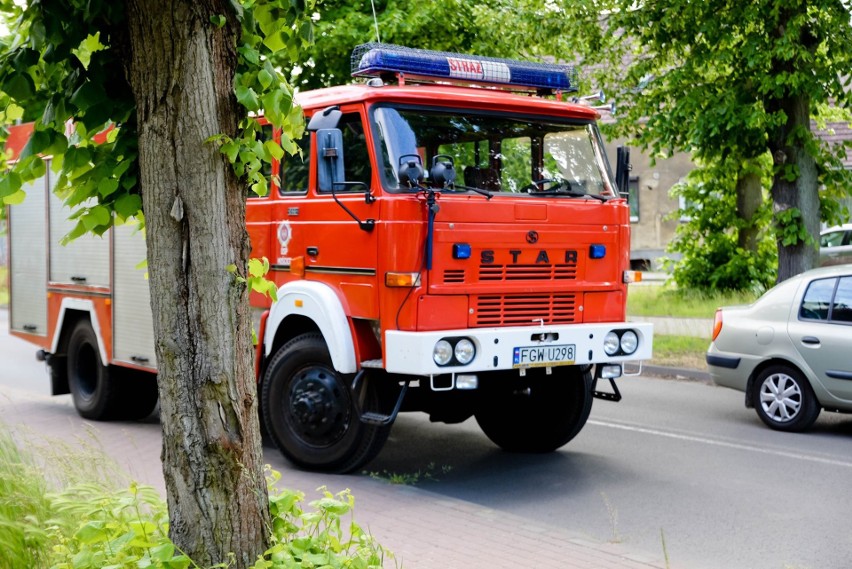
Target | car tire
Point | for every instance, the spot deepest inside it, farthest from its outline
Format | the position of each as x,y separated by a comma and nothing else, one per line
538,413
784,400
309,412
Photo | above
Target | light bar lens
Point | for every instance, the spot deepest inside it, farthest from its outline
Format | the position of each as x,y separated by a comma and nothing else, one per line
376,59
461,250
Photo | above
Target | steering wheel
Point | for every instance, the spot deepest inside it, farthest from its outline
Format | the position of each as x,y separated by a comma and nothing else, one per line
538,185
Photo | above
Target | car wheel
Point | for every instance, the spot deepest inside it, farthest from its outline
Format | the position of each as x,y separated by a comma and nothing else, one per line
784,400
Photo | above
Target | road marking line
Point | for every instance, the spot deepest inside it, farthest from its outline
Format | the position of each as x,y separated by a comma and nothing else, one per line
737,446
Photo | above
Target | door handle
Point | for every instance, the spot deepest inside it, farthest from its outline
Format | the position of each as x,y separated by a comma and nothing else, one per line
810,340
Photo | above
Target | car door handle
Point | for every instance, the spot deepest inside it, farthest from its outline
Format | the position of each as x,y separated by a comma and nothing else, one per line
810,340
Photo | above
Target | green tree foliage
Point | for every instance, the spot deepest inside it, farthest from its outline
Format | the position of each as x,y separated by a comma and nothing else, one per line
708,242
736,80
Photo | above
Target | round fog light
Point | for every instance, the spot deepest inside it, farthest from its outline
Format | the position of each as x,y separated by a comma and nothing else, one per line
442,353
629,342
611,343
465,351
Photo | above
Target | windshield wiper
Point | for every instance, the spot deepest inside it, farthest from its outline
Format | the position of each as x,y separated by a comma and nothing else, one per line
479,191
561,188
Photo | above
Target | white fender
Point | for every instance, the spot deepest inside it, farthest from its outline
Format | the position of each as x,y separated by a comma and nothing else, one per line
81,305
318,302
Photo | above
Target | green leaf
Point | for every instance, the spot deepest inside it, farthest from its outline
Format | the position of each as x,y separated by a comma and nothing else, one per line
15,198
218,20
107,186
274,149
275,42
265,78
128,205
19,86
247,98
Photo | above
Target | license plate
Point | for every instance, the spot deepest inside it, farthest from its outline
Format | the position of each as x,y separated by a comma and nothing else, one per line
539,356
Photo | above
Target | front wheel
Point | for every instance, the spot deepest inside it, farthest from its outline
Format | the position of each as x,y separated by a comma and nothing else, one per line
309,412
537,413
784,400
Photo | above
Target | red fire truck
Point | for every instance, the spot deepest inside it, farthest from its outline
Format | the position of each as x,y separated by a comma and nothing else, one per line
453,242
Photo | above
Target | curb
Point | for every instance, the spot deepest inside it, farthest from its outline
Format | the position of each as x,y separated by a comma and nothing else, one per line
677,373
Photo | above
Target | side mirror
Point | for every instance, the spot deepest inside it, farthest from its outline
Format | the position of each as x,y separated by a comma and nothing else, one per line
443,172
410,173
622,170
326,118
330,159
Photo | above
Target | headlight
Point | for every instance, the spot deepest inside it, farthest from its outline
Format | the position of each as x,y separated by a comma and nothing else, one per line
611,343
629,342
465,351
442,353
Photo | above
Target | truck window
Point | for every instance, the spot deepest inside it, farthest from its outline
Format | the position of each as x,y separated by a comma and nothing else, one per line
356,158
296,169
495,152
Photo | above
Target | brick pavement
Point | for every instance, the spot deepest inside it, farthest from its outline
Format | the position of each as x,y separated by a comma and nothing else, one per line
423,529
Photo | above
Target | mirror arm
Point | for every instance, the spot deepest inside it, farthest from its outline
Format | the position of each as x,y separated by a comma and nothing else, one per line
367,224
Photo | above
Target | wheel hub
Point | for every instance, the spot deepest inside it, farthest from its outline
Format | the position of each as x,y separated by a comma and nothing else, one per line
781,397
318,406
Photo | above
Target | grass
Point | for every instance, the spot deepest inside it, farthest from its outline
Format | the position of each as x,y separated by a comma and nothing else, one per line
4,292
680,351
658,300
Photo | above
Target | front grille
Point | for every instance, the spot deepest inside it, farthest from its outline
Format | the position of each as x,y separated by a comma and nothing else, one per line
453,276
524,310
491,273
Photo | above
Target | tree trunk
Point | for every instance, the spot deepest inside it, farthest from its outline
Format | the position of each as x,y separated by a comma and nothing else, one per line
749,198
801,193
181,70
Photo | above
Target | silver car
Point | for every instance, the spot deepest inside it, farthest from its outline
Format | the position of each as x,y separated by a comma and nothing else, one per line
790,351
835,245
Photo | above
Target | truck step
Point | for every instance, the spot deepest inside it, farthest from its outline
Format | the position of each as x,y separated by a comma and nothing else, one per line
373,364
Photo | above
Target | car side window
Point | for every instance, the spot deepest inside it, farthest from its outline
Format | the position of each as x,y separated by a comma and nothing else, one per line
841,306
817,300
832,239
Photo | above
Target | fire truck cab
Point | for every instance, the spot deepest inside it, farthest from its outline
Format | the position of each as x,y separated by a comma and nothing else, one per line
452,241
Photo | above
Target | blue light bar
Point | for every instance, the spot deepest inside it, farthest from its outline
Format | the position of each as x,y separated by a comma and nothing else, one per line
377,59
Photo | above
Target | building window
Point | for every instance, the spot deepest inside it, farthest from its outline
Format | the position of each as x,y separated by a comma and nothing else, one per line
633,197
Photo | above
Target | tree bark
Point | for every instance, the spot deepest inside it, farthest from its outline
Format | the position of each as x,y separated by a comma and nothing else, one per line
181,70
801,193
749,198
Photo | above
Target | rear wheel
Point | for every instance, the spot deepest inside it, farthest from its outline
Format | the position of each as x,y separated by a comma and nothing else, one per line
102,392
93,390
309,412
537,413
784,400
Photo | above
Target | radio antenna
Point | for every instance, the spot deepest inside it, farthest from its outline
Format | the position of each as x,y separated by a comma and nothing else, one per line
375,20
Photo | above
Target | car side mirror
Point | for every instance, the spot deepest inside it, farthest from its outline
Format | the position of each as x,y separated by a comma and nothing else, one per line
622,170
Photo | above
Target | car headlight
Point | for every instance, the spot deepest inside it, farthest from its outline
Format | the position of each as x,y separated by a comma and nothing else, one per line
629,342
611,343
465,351
442,353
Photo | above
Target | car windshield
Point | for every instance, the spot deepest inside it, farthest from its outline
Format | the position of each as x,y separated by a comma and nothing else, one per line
498,153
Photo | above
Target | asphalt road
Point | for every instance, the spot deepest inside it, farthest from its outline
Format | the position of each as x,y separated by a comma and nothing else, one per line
678,469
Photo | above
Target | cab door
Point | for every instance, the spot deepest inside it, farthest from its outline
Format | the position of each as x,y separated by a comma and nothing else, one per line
822,333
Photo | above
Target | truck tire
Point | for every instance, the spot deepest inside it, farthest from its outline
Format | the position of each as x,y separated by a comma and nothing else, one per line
309,412
537,413
94,392
139,394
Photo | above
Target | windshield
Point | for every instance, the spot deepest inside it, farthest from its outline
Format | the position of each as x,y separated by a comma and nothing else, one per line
498,153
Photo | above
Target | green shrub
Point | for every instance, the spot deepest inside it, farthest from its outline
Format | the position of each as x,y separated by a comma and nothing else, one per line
90,526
